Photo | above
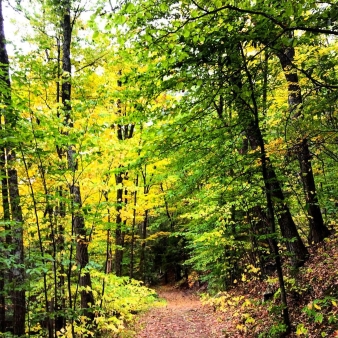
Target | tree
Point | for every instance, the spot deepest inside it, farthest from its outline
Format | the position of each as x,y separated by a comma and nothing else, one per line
318,230
11,196
194,51
124,132
78,224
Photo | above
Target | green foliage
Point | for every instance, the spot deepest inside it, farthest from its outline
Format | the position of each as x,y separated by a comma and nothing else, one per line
323,311
198,96
275,331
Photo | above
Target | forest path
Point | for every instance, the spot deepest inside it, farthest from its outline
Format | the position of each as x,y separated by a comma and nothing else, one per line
183,316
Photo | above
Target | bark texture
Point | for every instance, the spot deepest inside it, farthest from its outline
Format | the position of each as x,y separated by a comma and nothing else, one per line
78,223
124,132
4,241
253,132
318,230
11,197
119,233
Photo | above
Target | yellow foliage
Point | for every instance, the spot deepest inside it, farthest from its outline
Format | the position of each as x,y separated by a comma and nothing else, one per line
316,306
158,235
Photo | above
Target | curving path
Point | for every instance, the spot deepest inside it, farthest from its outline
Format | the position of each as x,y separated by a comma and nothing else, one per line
182,317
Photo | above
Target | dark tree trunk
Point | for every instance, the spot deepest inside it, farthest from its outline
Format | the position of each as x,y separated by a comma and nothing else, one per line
17,271
124,132
143,245
131,271
170,216
270,181
109,254
108,268
78,224
4,240
271,219
144,225
2,301
119,234
82,256
318,230
66,63
287,226
60,299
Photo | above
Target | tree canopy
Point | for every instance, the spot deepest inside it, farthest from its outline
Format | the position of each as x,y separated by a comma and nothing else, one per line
146,141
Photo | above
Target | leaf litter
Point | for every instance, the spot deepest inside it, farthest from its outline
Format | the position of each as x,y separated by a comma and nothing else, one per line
240,312
183,316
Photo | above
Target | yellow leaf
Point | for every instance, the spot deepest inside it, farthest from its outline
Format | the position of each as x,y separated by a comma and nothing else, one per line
250,320
241,327
317,306
334,303
301,330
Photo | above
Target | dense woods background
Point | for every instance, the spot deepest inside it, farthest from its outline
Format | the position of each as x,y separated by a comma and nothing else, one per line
165,140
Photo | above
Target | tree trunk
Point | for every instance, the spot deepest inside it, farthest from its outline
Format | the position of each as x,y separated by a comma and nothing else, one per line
2,300
144,225
17,271
271,220
270,181
4,241
143,246
78,224
82,256
287,226
119,235
124,132
318,230
131,272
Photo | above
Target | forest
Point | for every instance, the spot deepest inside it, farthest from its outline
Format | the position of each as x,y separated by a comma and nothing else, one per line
148,142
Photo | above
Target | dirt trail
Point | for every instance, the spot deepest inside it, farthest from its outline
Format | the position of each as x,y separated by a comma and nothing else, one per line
183,317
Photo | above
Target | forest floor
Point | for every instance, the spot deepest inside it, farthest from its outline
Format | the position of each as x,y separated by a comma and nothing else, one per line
183,316
312,295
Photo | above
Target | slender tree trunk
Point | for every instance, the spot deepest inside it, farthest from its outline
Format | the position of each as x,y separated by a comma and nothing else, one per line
2,299
170,217
269,197
78,224
124,132
109,256
4,240
7,242
144,225
287,226
318,230
143,245
119,235
57,231
131,273
270,185
17,271
82,256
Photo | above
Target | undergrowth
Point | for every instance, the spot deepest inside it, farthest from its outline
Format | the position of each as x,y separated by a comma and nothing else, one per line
312,296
